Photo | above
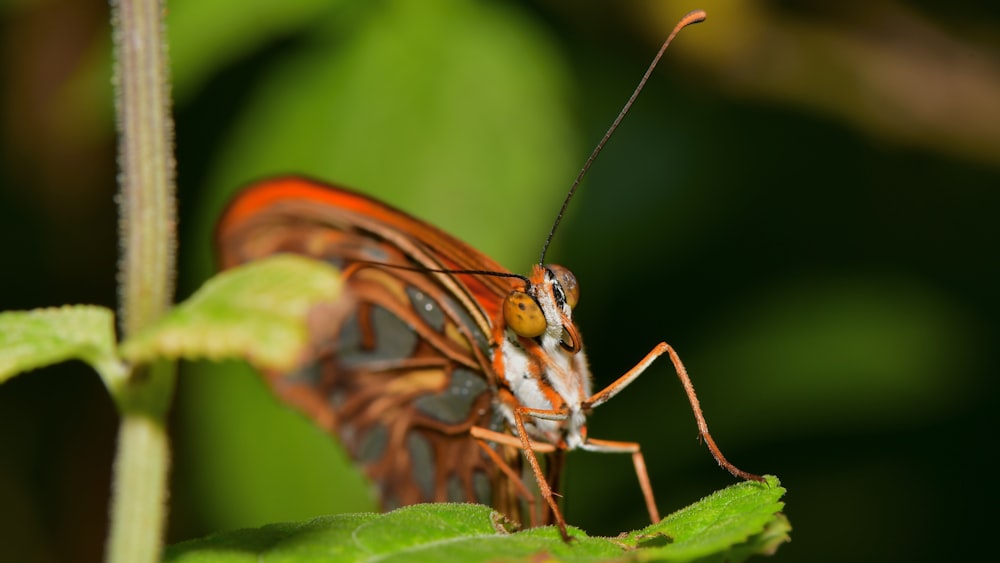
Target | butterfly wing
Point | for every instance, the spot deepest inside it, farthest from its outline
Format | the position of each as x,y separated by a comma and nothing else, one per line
400,368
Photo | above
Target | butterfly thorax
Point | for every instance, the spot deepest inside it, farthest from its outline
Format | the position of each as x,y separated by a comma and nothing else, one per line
546,371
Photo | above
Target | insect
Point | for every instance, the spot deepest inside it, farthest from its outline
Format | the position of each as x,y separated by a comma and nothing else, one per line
439,370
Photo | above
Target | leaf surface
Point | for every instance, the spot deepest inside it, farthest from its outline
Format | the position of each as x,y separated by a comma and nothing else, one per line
731,525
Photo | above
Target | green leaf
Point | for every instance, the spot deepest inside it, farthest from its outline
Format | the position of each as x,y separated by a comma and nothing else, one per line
257,312
730,525
734,517
34,339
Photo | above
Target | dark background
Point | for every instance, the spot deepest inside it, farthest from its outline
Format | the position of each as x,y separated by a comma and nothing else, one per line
803,203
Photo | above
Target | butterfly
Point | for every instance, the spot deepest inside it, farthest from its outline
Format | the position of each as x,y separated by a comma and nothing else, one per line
441,372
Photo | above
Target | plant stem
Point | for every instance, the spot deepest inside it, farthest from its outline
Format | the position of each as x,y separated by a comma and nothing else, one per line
146,275
139,498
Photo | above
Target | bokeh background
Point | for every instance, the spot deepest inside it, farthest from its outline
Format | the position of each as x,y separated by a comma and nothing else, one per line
804,202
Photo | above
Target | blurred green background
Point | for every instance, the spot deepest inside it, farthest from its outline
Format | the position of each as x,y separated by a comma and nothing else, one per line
804,203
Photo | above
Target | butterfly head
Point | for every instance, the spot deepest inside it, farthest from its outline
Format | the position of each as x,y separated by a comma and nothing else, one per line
544,306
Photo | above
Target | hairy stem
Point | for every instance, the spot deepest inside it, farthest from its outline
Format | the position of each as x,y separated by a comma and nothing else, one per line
146,275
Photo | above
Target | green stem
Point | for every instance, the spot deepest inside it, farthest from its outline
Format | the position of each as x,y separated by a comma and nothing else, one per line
139,497
147,273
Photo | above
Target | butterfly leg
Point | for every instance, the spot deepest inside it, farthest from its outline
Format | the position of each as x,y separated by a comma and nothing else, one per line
616,387
609,446
522,442
529,452
482,435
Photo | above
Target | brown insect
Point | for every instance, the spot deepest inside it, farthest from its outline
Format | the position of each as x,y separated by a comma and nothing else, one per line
438,368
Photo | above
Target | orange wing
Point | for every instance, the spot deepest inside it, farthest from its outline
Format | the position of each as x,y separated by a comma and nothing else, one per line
401,366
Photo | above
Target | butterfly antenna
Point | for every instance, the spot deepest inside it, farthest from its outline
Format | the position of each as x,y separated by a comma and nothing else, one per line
694,17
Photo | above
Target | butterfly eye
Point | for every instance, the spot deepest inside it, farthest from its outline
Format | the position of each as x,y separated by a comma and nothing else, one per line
523,315
568,282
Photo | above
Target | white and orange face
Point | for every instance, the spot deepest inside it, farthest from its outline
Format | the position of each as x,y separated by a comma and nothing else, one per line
543,364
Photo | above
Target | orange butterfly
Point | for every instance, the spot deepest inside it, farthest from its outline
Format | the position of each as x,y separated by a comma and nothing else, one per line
437,367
